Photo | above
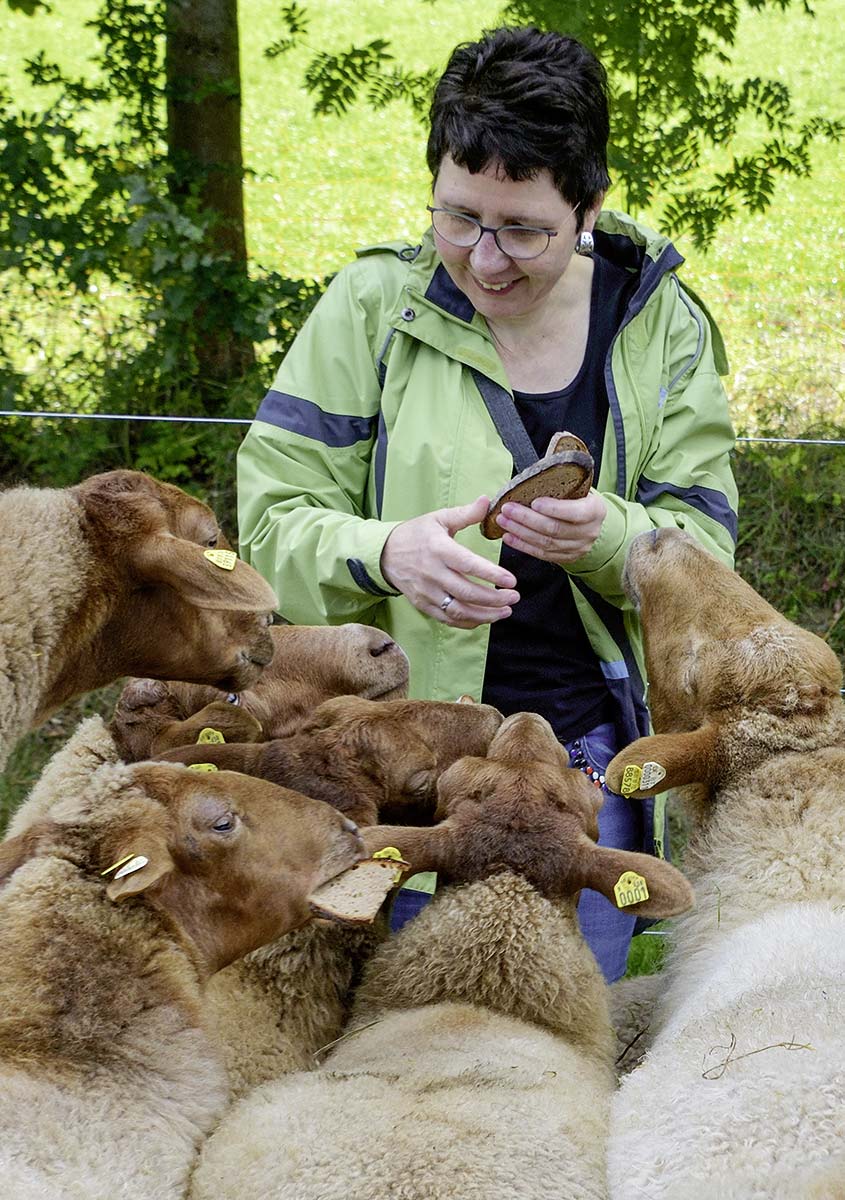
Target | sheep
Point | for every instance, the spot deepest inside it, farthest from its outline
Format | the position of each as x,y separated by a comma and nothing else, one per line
274,1009
113,912
110,578
369,758
741,1095
478,1062
311,663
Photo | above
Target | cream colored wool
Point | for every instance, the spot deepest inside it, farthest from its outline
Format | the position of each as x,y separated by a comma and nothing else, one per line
480,1069
41,535
741,1095
67,772
757,967
109,1082
271,1011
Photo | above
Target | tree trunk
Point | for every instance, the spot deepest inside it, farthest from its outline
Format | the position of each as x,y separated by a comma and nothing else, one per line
204,146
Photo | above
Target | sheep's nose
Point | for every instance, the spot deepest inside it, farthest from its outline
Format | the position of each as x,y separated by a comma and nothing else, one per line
382,649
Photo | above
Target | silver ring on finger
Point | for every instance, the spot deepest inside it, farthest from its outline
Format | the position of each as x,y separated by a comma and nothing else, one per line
446,601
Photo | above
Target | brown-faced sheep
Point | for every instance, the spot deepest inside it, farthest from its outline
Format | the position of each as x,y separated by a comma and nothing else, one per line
275,1008
478,1064
111,578
311,663
741,1095
369,758
113,911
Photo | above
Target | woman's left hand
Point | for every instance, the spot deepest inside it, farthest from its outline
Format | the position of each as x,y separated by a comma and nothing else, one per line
557,531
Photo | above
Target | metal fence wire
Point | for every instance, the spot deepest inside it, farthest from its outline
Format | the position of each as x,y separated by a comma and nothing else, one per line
67,416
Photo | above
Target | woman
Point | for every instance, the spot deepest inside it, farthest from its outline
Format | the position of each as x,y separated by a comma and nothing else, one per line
364,477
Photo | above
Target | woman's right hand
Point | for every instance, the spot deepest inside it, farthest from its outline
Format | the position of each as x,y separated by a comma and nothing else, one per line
422,560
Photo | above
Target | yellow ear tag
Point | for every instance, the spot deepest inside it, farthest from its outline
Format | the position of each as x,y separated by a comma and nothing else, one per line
631,777
202,767
222,558
126,858
210,736
395,856
630,888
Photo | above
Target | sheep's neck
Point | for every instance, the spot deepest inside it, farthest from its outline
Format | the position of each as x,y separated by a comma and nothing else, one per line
81,979
42,587
499,944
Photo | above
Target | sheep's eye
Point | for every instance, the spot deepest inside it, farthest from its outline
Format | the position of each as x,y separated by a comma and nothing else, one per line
232,698
224,824
212,541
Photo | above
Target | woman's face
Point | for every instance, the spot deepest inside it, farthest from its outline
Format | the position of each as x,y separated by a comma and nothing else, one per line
499,286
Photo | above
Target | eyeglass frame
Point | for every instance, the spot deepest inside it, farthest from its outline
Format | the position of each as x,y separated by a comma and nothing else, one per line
494,229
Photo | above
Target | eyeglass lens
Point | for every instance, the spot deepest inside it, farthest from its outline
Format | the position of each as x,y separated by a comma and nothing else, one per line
516,241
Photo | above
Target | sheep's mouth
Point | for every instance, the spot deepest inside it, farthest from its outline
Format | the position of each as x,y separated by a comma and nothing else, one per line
398,691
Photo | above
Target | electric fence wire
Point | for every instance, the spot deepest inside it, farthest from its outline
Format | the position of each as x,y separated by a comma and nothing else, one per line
66,416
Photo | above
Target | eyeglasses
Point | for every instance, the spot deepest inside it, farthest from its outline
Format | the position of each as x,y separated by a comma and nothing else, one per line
517,241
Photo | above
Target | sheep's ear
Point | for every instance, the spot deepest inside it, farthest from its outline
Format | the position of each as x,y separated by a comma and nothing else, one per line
426,848
336,709
200,579
664,760
15,851
142,863
635,883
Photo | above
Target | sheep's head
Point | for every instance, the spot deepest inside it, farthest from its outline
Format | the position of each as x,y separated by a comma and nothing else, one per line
230,859
713,645
151,717
404,745
175,613
311,664
523,809
718,657
314,663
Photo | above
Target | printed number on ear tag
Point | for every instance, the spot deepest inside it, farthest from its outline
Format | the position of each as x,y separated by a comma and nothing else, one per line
202,767
641,779
210,736
653,772
222,558
630,888
631,777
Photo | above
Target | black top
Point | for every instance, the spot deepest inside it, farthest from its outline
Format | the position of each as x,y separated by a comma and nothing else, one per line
540,659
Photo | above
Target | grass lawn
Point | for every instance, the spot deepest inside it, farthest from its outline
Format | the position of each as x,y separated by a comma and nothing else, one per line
324,185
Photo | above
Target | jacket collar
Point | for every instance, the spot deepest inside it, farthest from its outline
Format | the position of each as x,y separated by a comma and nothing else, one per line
618,238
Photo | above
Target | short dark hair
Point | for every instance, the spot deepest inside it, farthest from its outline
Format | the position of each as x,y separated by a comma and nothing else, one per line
531,101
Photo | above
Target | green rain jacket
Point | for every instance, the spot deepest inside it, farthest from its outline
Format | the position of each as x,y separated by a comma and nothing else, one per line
374,417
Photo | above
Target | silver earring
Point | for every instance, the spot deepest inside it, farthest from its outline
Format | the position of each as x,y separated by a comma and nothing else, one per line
584,244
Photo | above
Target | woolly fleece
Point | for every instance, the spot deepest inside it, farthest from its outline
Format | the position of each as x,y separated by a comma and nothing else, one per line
477,1066
109,1082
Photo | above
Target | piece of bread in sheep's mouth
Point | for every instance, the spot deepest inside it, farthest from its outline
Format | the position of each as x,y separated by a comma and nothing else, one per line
565,472
355,896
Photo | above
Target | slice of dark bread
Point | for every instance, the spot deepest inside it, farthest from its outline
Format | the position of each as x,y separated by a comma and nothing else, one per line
565,472
355,896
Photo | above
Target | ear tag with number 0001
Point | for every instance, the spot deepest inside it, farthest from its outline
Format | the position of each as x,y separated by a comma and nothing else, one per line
630,888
